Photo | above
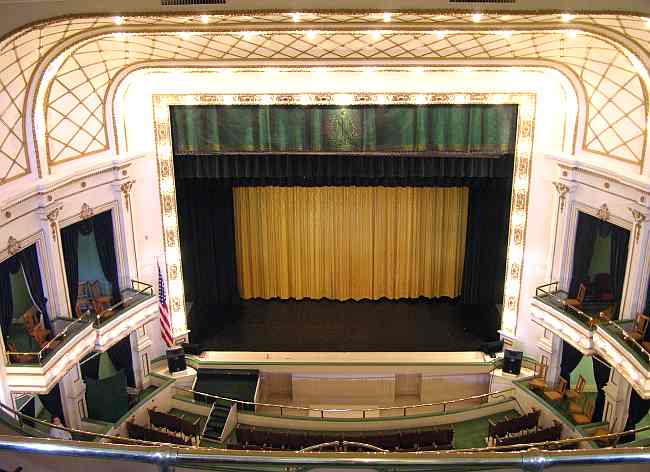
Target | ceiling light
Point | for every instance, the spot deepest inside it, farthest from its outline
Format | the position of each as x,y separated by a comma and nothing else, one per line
225,71
118,20
370,70
248,35
205,19
387,17
185,35
572,34
319,70
376,35
647,24
295,17
476,17
311,34
567,17
441,34
506,34
417,70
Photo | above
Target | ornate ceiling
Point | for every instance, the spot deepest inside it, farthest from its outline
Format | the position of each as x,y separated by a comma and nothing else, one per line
72,63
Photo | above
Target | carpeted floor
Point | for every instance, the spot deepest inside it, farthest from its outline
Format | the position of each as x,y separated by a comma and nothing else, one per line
325,325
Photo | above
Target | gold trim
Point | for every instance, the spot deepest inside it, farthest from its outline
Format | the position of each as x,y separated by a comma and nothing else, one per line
520,193
562,190
639,219
13,246
53,218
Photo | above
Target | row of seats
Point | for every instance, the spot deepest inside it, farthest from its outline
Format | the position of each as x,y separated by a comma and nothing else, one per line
174,423
142,433
552,433
407,440
514,426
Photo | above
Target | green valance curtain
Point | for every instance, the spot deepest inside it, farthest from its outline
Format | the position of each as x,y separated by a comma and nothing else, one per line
445,130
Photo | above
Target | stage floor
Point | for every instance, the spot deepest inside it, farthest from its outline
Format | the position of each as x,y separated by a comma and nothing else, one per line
331,326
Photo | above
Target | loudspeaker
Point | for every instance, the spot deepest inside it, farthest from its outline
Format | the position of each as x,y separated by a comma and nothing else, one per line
176,360
512,361
193,349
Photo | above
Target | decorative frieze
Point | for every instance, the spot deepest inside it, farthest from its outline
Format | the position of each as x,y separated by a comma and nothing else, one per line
603,212
562,190
53,218
13,246
639,219
125,188
86,211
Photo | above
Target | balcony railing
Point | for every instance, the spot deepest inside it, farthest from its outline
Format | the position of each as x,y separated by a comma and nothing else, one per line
594,312
386,412
132,296
618,331
71,329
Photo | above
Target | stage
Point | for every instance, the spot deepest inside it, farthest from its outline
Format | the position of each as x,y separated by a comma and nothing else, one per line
350,326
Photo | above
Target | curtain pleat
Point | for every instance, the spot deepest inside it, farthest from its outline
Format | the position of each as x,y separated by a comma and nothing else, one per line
105,241
571,357
70,244
205,129
586,232
620,238
29,260
6,300
601,375
120,355
346,243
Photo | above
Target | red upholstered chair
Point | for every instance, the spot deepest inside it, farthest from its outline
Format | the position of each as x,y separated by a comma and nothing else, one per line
602,287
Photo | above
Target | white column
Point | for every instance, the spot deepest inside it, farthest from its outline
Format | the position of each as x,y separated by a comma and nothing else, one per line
5,393
141,356
617,400
57,289
555,363
73,397
636,284
564,235
123,232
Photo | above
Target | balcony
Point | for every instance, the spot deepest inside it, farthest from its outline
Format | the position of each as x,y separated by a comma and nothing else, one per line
38,371
591,330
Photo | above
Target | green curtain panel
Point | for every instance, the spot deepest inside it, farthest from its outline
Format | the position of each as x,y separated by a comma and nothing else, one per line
487,130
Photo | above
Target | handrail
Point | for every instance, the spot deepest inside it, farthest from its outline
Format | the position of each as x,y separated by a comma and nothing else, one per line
147,288
316,447
23,417
591,320
59,337
207,420
363,411
139,442
615,324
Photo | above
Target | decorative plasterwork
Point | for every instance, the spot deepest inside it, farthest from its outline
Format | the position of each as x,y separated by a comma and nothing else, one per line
86,211
125,188
639,219
53,217
74,59
521,177
13,246
603,212
562,190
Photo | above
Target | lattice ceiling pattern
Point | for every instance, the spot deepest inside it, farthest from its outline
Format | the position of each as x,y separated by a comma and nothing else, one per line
617,115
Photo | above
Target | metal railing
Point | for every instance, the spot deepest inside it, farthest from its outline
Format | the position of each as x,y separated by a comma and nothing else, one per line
40,357
22,444
168,457
619,331
138,289
340,446
363,412
551,290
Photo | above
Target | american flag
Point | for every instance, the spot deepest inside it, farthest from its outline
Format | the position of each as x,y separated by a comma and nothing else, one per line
165,317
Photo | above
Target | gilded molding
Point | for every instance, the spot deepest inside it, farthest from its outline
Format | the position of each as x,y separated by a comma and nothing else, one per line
13,246
86,211
562,190
521,177
639,219
125,188
53,218
603,212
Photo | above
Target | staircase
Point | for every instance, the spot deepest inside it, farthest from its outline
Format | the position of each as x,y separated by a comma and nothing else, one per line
216,420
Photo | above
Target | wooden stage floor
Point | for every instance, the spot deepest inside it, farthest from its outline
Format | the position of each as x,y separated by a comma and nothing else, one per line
332,326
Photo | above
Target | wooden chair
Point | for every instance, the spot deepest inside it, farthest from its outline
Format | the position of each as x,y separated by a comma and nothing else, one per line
538,382
608,313
587,415
557,394
100,300
579,299
640,327
574,394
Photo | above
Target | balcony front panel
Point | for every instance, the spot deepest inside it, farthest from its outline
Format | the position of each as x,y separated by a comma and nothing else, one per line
561,323
129,318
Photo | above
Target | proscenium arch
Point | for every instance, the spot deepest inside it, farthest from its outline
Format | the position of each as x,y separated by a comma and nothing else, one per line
599,30
114,96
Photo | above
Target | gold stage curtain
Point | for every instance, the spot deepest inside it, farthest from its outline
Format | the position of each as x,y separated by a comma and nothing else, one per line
346,243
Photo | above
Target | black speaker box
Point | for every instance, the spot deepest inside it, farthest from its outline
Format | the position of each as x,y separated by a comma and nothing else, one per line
512,361
176,360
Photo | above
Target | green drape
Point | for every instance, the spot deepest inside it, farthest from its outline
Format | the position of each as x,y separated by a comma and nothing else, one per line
434,129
